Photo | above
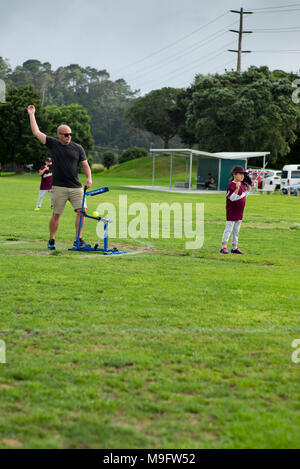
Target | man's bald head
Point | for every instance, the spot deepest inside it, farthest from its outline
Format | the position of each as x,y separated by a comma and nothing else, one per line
64,134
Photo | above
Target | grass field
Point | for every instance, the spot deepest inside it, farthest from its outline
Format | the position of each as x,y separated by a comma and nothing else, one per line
166,349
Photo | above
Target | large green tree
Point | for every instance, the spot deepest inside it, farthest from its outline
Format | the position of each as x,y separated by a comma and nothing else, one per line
36,73
76,117
178,115
251,111
17,144
153,112
106,101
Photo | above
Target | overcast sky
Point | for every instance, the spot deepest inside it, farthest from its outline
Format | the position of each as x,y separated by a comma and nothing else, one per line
150,43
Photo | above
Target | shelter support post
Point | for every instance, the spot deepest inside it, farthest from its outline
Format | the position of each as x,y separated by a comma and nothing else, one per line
153,169
186,169
264,165
191,167
171,169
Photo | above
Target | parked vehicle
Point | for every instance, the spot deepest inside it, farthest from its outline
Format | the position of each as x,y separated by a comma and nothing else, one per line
290,175
258,176
294,189
251,170
273,179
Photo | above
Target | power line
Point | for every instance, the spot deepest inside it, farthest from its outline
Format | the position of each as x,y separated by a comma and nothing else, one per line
206,58
214,70
225,64
276,11
278,51
172,44
218,52
211,57
278,30
183,53
280,6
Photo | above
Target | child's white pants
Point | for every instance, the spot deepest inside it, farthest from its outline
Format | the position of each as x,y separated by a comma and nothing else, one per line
42,194
232,228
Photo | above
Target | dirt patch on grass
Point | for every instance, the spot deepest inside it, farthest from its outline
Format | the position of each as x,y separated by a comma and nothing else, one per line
12,443
33,253
19,404
122,248
127,247
28,333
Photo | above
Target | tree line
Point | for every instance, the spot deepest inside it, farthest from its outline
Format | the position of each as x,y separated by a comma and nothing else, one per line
105,101
249,111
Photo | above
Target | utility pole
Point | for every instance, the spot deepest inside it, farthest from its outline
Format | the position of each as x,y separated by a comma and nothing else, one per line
240,33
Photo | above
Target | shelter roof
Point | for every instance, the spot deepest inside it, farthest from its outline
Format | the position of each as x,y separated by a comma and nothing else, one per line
205,154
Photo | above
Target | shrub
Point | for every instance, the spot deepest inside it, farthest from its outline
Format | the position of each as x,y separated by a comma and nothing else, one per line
109,159
132,153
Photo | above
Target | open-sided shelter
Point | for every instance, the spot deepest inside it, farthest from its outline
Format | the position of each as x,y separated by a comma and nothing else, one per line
218,164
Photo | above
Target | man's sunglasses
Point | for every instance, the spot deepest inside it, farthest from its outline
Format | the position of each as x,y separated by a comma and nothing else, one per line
66,135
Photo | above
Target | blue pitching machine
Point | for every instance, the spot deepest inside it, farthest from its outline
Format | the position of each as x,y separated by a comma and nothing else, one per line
104,220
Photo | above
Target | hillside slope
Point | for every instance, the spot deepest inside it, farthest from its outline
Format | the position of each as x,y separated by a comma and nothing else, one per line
142,168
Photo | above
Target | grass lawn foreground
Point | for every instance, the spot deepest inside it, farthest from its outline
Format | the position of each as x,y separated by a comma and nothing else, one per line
170,348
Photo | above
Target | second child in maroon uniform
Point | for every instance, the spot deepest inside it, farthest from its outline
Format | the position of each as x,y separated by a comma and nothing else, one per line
237,192
46,182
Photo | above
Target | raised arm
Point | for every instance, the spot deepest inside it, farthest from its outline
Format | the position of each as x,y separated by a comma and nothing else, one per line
42,171
34,127
235,195
87,171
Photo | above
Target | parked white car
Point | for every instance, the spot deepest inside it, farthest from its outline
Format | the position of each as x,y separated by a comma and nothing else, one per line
294,190
272,179
290,175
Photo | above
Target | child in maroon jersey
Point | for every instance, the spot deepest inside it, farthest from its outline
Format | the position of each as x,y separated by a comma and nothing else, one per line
237,191
46,183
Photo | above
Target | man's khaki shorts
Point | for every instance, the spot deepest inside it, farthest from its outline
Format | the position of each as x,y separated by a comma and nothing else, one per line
61,195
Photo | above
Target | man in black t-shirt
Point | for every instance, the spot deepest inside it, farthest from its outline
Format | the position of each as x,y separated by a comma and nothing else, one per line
66,157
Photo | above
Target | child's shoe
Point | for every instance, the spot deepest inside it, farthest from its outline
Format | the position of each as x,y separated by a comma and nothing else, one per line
236,251
224,251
